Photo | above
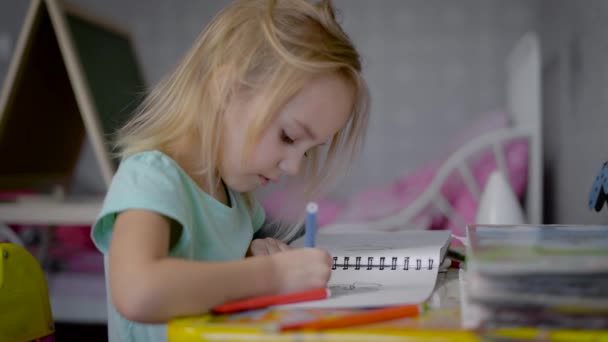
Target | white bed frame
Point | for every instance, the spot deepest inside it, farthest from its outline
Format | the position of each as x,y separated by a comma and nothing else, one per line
524,107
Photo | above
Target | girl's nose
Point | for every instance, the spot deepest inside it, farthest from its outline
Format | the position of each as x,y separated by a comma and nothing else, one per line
291,164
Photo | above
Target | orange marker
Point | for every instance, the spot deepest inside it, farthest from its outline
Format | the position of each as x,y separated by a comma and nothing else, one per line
262,302
359,318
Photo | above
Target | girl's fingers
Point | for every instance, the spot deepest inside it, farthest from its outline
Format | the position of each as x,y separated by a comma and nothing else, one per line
283,246
268,246
276,246
258,247
272,245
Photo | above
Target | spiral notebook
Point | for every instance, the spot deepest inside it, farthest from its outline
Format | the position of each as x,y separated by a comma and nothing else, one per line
373,269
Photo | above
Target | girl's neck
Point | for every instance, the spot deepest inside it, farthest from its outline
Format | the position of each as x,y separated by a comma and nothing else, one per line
186,160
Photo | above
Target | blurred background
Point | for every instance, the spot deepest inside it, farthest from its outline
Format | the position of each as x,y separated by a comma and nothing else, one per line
434,68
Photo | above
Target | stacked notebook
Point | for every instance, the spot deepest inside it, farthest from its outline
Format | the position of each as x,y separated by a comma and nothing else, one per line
540,276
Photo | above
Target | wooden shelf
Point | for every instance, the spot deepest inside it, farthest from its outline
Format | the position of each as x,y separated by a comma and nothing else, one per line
48,212
74,297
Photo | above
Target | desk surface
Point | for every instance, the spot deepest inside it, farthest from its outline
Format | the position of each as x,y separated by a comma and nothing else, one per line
444,320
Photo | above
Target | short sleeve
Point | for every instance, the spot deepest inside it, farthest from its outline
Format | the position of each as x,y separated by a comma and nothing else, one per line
145,181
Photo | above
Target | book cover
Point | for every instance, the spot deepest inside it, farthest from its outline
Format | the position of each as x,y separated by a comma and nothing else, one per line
535,249
551,276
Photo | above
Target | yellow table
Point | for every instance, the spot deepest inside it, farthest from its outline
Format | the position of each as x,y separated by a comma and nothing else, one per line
440,324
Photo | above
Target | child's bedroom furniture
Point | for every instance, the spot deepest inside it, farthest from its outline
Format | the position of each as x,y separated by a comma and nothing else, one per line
524,110
72,79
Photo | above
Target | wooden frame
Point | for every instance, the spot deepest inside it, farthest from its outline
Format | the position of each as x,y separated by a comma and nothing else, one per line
76,97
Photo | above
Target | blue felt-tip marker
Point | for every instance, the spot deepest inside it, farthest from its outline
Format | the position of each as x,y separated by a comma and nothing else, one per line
311,224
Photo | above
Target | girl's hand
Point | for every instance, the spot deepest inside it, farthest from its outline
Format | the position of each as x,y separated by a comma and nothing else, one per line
266,246
302,269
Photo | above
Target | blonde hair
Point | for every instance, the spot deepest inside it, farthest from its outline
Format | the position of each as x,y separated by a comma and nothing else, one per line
274,47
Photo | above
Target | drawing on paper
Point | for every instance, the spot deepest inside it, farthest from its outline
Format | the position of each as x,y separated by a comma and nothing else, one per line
354,288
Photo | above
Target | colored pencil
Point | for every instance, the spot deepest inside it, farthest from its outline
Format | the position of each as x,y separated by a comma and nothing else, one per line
311,224
266,301
359,318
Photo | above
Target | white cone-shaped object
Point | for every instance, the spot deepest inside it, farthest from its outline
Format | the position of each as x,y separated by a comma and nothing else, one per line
498,203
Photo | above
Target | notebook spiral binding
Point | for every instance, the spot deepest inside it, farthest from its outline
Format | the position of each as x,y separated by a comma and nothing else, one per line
382,265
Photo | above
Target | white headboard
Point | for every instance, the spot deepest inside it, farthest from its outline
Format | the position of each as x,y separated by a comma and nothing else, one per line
524,105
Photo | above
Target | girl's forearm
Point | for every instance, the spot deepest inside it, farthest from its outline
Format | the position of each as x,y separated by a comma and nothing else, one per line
171,287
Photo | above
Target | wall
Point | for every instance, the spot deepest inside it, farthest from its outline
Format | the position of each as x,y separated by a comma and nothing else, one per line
575,49
11,19
434,67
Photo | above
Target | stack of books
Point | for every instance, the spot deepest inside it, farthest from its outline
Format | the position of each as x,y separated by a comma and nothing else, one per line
538,276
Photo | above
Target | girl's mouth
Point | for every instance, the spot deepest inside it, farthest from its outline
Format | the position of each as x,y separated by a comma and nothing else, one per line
264,180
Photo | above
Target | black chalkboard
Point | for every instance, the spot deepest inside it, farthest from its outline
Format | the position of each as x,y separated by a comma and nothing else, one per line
111,70
67,67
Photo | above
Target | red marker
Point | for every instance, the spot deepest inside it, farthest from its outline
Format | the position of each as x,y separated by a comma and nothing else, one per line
262,302
358,318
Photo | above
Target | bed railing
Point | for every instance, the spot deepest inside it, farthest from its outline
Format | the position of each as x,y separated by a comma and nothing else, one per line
432,197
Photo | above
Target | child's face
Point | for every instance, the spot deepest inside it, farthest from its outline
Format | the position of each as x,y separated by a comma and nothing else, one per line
310,118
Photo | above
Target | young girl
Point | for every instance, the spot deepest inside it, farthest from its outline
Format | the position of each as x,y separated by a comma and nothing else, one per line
262,88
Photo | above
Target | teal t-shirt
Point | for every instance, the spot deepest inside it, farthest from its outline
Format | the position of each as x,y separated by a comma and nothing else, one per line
210,230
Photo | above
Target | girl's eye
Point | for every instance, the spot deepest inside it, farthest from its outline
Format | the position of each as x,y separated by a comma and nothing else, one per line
286,138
